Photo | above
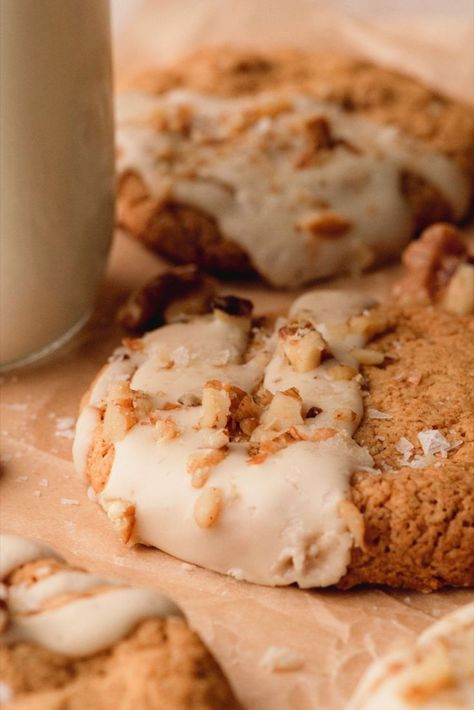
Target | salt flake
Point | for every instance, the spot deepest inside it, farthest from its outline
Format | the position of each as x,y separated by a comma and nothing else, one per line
377,414
433,442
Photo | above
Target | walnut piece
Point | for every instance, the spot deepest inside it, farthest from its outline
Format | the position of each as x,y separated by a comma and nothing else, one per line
369,324
430,264
365,356
325,225
283,412
168,297
207,507
303,345
124,407
122,515
458,297
342,372
200,464
165,429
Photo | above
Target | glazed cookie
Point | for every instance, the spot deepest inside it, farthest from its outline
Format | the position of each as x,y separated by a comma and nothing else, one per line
436,673
292,165
341,437
72,639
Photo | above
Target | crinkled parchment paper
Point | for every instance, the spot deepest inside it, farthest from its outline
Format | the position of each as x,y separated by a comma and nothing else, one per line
336,633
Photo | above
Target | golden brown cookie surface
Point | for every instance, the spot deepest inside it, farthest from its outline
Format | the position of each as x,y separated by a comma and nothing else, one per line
161,664
242,449
220,210
71,639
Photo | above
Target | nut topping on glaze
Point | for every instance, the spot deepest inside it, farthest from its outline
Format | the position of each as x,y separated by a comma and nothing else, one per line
263,448
303,345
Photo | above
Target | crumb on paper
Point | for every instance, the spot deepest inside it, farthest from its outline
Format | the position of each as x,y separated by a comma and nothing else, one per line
44,482
187,567
69,501
91,494
21,478
281,658
236,573
15,407
6,693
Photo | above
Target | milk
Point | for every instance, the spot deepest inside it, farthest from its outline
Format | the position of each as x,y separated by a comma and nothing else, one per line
56,174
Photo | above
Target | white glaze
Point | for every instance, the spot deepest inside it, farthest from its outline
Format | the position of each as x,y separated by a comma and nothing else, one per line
248,180
98,613
279,523
386,680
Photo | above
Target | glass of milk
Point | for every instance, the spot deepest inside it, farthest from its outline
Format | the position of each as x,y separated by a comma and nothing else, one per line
56,170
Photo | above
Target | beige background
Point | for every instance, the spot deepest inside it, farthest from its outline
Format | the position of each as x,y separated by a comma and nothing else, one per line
337,633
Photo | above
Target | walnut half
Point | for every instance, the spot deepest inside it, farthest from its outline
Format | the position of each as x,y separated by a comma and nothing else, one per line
168,297
434,272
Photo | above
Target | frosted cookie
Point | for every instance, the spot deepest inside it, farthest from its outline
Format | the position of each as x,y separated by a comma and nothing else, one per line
207,435
436,673
296,166
72,639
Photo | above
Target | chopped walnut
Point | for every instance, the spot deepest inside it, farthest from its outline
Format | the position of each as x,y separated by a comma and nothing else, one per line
369,324
365,356
283,412
165,429
303,345
124,407
217,439
168,297
270,443
228,406
430,264
341,372
325,225
320,138
122,515
207,507
458,297
215,405
354,520
201,462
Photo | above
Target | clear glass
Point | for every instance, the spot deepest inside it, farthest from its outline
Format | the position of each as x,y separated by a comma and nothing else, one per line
56,170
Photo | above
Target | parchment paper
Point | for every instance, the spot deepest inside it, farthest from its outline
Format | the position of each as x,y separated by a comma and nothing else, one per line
337,633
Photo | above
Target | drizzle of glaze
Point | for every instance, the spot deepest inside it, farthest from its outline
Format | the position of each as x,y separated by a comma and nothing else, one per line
68,610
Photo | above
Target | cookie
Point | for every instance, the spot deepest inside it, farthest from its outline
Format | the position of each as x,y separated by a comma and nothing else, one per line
341,437
72,639
295,166
436,672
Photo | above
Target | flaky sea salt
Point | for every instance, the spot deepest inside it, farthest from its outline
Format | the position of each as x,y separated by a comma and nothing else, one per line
377,414
433,442
69,501
405,447
281,658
